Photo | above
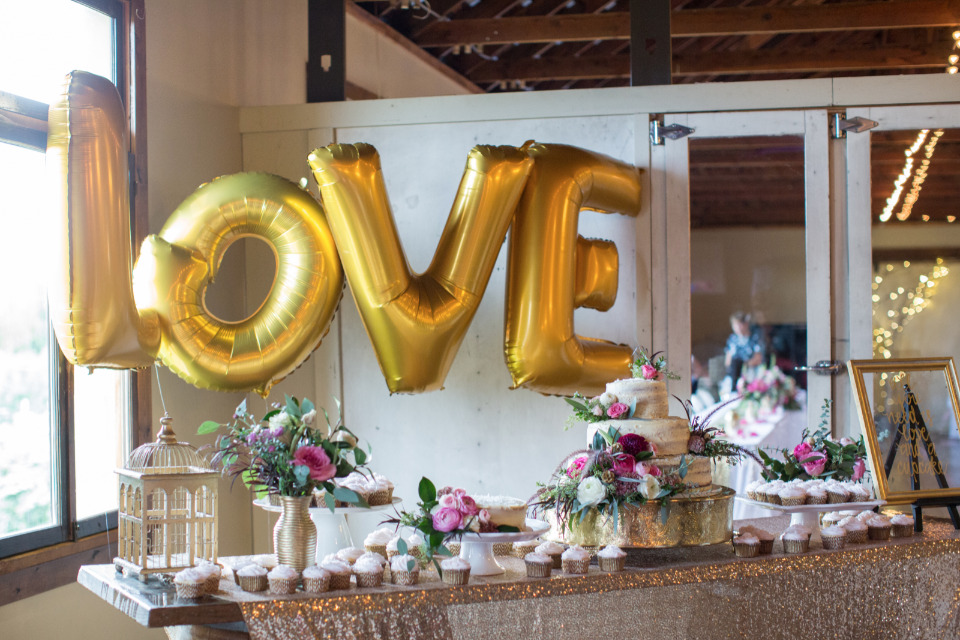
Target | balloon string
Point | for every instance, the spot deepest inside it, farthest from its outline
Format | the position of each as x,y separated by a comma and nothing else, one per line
160,388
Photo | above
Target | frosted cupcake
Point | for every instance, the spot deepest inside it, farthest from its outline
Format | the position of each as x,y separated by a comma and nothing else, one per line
771,493
836,494
413,542
752,488
339,574
816,495
404,570
283,579
502,549
539,565
863,516
792,496
575,559
833,537
267,560
376,541
765,538
830,519
315,579
795,540
253,577
746,545
552,549
211,573
374,556
878,528
369,572
350,554
901,526
456,571
381,490
859,493
522,548
190,583
612,558
856,531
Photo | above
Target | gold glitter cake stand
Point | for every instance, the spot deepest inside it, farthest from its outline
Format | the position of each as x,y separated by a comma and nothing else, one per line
477,548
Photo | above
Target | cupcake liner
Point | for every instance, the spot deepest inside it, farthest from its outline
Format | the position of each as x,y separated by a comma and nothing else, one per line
454,548
405,578
376,548
816,499
521,549
576,566
253,583
612,564
901,530
557,560
878,533
369,579
380,497
316,585
339,581
538,569
857,537
192,590
796,546
502,548
792,501
283,586
456,576
765,547
746,550
212,584
836,498
833,542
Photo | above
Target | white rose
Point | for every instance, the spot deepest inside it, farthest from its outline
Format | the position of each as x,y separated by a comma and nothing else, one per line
591,491
607,398
282,420
597,410
649,487
310,417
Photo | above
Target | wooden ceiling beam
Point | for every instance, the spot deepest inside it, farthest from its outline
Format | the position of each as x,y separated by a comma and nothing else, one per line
859,16
728,63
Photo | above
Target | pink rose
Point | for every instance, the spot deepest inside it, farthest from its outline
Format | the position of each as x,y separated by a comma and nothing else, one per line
616,410
758,386
645,469
484,516
444,491
859,468
317,460
649,372
468,507
623,463
576,467
802,450
814,463
846,442
449,501
459,493
446,519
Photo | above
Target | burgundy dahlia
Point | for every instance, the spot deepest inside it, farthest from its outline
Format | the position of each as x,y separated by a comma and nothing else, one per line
634,444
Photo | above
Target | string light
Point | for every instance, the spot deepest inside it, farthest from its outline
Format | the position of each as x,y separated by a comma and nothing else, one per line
891,321
904,175
953,58
911,198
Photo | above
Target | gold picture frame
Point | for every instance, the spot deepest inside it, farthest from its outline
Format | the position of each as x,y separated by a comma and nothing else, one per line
882,390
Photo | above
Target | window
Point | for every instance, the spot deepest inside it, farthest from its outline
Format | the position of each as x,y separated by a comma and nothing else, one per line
63,430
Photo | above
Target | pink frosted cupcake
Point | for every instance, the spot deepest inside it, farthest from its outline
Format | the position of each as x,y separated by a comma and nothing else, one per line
283,580
611,558
575,559
315,579
901,526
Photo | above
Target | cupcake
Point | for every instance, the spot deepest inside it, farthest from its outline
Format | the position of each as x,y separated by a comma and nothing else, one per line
836,494
795,539
833,537
521,549
211,573
381,490
771,493
253,577
859,493
283,579
539,565
878,528
901,526
746,545
267,560
455,571
856,531
863,516
765,538
350,554
413,542
369,572
235,567
552,549
404,570
612,558
453,547
816,495
752,488
575,559
374,556
830,519
190,583
792,496
502,549
315,579
377,541
339,574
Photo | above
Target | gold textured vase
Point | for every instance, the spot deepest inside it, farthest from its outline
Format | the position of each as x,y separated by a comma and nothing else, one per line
295,534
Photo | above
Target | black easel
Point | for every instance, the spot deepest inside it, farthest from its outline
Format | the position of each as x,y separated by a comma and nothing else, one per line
919,436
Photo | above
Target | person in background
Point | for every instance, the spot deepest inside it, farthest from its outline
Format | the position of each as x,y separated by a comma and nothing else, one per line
745,346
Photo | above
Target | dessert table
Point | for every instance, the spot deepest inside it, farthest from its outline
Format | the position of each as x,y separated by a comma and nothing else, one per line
904,588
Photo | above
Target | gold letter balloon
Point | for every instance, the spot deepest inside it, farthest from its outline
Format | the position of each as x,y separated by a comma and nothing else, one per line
417,322
90,294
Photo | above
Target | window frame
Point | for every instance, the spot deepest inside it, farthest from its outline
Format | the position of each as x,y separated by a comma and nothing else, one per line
50,557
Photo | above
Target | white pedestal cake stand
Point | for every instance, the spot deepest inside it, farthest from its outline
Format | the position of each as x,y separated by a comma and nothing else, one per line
333,531
809,514
477,548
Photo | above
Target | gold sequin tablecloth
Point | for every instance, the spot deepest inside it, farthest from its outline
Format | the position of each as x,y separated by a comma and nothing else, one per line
900,589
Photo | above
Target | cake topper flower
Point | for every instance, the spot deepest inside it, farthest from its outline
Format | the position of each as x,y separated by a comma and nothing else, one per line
650,367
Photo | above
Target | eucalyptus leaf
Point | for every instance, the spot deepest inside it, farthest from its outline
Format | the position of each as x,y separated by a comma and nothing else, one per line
402,547
443,551
683,467
411,563
664,513
269,415
208,426
579,406
306,406
292,406
302,473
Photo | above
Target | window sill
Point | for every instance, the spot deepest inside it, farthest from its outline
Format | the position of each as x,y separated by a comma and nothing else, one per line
34,572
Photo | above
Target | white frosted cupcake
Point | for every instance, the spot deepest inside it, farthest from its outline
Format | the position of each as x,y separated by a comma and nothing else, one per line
901,526
836,494
554,550
752,487
859,493
283,579
575,559
369,572
834,537
211,573
350,554
765,537
539,565
339,574
863,516
816,495
456,571
856,531
404,570
830,519
522,548
266,560
771,493
253,577
878,528
746,545
374,556
381,490
612,558
792,496
190,583
376,541
315,579
413,542
796,539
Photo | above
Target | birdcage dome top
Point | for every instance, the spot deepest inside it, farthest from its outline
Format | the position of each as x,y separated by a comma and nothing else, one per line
166,455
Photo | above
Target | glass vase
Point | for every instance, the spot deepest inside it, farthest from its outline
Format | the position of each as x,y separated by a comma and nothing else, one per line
295,534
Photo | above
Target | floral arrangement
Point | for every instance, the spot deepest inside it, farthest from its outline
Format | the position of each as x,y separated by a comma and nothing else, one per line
612,473
818,456
288,451
765,389
650,367
704,440
443,515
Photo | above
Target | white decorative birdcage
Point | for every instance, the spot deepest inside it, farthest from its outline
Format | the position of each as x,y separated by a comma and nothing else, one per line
168,508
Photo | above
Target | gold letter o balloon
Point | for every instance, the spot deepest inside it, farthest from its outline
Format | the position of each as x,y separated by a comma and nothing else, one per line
176,266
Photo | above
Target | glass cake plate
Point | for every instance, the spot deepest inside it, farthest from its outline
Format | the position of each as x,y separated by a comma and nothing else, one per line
477,548
809,514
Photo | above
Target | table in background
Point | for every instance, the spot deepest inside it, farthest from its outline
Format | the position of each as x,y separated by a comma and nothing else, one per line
902,588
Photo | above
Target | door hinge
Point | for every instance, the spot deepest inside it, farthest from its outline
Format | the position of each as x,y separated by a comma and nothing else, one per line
840,125
659,131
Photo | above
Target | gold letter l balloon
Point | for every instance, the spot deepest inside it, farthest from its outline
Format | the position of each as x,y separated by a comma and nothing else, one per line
417,322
